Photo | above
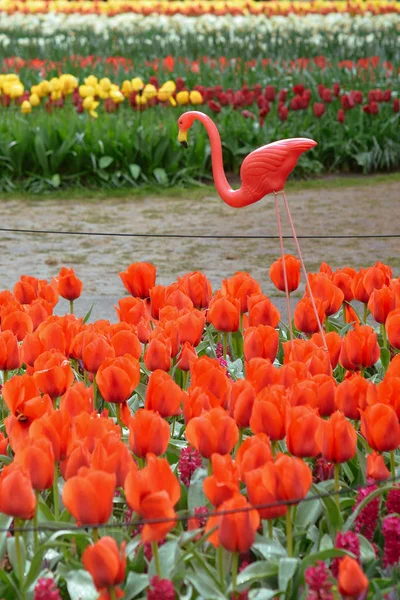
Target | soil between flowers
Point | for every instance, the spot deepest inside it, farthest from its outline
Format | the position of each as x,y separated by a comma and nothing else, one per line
97,260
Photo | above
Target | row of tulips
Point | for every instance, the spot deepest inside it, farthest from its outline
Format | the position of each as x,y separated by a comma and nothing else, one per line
202,400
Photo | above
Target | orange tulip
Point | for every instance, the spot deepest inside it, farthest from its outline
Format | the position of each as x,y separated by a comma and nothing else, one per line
302,425
19,322
139,278
77,399
152,493
261,342
69,286
393,328
30,348
224,313
132,311
387,392
253,453
125,341
191,326
323,289
380,427
3,444
292,265
186,356
353,582
95,352
157,299
334,343
376,277
262,488
17,497
208,374
112,456
289,374
195,403
25,290
351,396
9,352
163,395
158,354
148,432
53,373
269,413
18,431
294,477
343,279
89,496
381,303
176,298
325,391
212,432
241,402
262,311
37,459
106,564
358,288
337,439
240,286
235,531
56,427
315,358
360,348
303,393
261,373
78,457
304,316
376,468
22,396
223,484
197,287
117,378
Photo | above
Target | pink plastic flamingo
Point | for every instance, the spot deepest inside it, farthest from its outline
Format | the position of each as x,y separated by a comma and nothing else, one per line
263,172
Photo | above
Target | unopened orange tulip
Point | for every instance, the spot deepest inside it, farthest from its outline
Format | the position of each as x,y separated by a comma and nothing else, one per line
269,413
3,444
387,392
381,303
53,373
253,453
358,288
304,316
235,531
240,286
360,348
376,277
195,403
324,289
112,455
293,476
158,354
148,432
292,265
152,493
96,352
77,399
261,373
353,582
106,564
380,427
262,488
351,396
208,374
89,496
118,377
139,278
132,311
376,468
163,395
31,347
241,402
337,439
37,458
186,356
19,322
69,286
191,326
56,427
212,432
17,497
302,425
125,341
10,358
197,287
326,389
224,314
334,343
262,311
261,342
393,328
224,481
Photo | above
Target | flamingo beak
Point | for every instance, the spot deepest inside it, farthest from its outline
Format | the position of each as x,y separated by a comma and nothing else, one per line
182,138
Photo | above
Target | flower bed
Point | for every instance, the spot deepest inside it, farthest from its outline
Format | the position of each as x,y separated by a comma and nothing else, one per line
192,450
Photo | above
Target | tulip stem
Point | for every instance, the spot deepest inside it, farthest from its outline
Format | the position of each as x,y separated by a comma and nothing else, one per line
274,447
35,524
95,392
55,493
118,414
362,371
384,336
5,376
154,547
235,565
289,532
392,464
220,561
112,594
344,313
239,442
19,559
185,378
270,529
71,307
225,344
95,534
336,485
365,313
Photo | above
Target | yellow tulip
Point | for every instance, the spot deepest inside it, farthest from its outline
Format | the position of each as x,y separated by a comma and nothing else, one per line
126,88
34,99
150,91
86,91
166,91
137,84
105,84
117,96
140,99
55,84
182,97
11,77
45,88
195,97
56,94
35,89
92,81
69,83
26,107
15,90
103,94
90,104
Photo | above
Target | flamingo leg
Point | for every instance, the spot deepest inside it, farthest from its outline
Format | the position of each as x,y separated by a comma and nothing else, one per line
285,279
296,241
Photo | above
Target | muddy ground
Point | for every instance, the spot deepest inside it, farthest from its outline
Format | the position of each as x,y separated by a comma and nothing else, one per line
368,208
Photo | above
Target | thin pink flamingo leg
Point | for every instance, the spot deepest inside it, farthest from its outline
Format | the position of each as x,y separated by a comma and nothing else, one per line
289,312
296,241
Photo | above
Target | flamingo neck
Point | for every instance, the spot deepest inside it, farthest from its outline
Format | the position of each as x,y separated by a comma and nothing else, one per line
232,197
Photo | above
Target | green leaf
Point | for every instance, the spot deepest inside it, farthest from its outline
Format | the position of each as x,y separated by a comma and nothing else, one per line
256,571
262,594
161,176
12,554
287,568
334,516
105,161
35,567
169,555
5,460
268,548
385,358
135,584
308,513
80,585
196,496
87,316
5,522
205,585
366,549
135,171
326,542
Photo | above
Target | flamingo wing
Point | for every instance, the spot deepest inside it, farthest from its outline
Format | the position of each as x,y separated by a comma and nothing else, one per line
265,170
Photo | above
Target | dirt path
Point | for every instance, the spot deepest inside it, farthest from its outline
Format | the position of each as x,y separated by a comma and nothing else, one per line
97,260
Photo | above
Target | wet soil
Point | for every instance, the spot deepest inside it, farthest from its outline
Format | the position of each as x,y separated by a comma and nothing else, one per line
366,209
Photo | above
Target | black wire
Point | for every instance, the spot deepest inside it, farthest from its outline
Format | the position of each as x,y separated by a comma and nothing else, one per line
198,236
216,513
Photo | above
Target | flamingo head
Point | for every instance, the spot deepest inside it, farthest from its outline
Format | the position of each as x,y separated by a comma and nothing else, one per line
184,123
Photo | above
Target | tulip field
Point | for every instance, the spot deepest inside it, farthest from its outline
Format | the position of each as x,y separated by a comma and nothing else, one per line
193,449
